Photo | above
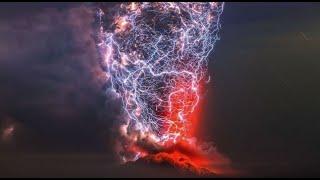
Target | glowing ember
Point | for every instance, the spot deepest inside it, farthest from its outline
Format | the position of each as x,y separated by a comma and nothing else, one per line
156,59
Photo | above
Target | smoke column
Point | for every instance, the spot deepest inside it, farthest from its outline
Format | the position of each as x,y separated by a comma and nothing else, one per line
155,57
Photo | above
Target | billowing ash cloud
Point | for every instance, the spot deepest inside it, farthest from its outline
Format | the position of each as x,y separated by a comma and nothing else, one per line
51,77
156,56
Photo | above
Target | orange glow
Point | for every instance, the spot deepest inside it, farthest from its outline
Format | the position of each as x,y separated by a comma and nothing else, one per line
194,158
133,6
122,24
181,161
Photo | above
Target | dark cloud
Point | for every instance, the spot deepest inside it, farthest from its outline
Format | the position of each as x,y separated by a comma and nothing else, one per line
51,79
263,102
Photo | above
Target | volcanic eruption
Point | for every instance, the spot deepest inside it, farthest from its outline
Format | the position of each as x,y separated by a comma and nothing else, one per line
155,56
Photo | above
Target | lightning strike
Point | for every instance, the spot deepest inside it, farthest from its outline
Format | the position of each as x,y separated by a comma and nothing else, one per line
156,56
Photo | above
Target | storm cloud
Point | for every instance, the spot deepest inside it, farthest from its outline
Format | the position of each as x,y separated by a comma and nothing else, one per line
51,80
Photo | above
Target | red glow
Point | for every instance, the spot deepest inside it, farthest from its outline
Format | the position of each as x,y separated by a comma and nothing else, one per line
194,158
179,160
185,152
183,111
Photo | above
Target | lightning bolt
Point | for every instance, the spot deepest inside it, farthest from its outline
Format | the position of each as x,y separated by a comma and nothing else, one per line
156,56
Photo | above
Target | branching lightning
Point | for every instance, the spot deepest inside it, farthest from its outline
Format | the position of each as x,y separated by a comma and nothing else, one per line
156,57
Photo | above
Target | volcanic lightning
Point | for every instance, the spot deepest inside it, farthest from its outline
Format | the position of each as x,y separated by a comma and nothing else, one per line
155,56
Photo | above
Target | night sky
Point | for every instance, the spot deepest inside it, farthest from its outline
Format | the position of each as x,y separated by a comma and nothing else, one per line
261,108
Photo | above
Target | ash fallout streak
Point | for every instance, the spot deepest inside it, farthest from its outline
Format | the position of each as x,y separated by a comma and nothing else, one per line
155,56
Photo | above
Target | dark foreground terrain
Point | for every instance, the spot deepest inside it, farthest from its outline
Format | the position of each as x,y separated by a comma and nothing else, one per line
90,165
